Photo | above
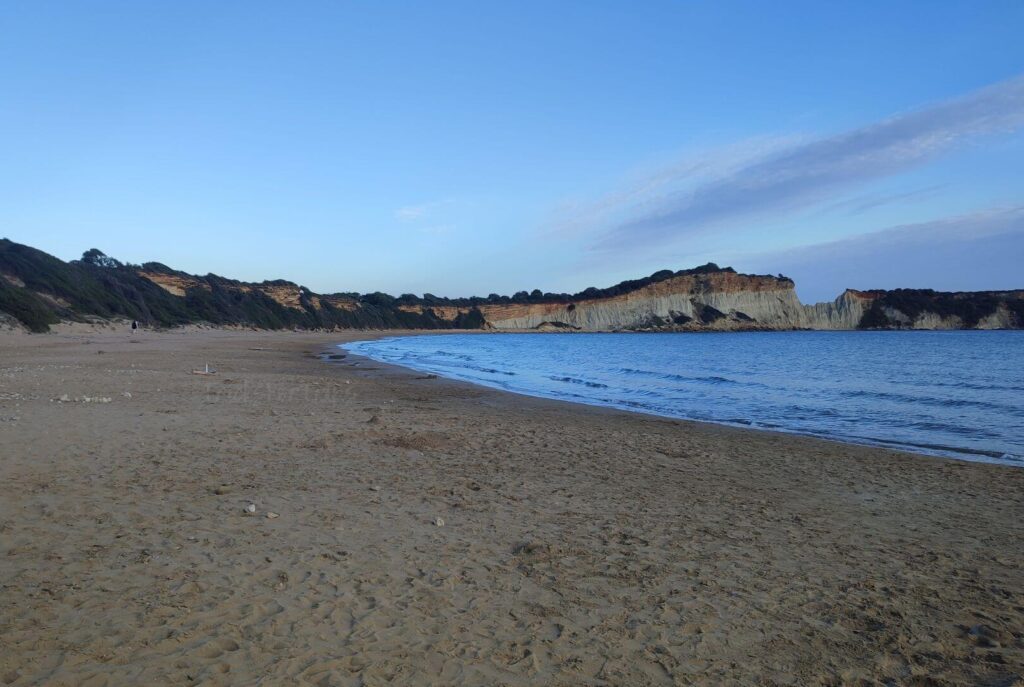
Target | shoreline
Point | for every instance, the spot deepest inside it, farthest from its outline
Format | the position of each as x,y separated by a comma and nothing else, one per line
920,450
69,327
580,545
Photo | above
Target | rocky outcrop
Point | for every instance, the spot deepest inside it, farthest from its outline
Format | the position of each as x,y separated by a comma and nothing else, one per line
845,312
927,309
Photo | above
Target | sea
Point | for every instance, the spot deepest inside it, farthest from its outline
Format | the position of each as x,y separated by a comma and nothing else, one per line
957,394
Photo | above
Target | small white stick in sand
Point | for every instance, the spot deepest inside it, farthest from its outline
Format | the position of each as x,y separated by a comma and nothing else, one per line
205,371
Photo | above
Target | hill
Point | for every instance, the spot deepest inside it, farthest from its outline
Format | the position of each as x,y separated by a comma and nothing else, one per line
38,290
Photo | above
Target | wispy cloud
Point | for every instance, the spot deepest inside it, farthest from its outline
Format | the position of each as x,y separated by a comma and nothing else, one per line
412,213
693,197
861,204
645,191
438,229
974,225
975,251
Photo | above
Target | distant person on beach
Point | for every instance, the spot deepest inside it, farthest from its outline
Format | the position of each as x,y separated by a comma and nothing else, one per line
135,326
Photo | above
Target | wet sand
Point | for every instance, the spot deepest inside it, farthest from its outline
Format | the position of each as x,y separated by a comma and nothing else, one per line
579,545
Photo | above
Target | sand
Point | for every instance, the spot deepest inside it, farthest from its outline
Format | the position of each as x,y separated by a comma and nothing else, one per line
579,546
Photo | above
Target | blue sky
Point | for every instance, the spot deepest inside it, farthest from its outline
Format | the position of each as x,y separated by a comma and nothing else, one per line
468,148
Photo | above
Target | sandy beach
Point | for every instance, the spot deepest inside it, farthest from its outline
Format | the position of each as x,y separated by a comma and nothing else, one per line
413,530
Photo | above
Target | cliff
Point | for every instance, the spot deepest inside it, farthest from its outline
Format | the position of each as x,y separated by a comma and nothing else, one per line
726,301
719,300
37,290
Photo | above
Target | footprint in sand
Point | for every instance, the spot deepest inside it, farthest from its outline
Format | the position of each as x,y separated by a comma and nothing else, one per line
217,647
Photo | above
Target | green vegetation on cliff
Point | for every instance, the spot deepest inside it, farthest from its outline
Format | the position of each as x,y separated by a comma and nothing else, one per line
910,304
39,290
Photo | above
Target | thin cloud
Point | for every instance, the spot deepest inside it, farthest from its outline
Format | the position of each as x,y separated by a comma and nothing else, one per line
976,251
808,172
579,216
438,229
862,204
413,213
975,225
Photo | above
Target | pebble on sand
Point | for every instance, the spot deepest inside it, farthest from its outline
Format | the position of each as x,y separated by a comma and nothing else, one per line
251,508
439,522
272,515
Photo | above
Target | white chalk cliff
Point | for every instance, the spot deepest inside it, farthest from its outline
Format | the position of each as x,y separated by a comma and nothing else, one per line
724,300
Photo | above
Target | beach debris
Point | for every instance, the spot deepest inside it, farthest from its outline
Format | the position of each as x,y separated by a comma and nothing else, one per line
205,371
439,522
374,488
528,547
984,636
126,394
251,508
64,398
271,515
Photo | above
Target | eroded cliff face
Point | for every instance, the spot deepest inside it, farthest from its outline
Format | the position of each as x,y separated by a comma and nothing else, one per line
1002,318
38,290
719,301
726,301
285,294
174,284
722,301
845,312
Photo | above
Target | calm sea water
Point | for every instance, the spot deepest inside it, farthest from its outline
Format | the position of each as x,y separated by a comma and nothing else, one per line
958,394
